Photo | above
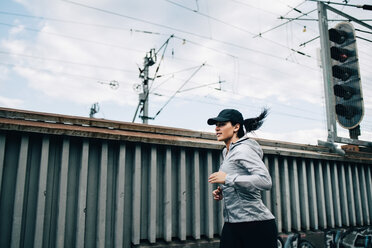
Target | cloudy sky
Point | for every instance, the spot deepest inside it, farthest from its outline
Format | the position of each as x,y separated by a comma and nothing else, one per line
62,56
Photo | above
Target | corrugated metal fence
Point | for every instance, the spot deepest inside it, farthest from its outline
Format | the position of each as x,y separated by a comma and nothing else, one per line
79,182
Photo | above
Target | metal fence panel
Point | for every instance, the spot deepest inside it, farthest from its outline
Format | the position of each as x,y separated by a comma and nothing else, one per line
80,191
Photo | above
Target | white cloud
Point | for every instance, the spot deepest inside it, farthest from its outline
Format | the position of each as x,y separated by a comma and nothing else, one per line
309,136
16,30
14,46
3,72
10,102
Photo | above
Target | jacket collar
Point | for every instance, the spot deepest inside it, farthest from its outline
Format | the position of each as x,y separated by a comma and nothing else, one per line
232,145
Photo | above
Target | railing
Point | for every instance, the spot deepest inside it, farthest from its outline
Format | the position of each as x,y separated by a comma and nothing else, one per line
80,182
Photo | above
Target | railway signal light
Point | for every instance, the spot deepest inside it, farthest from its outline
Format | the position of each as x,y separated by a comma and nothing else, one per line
347,88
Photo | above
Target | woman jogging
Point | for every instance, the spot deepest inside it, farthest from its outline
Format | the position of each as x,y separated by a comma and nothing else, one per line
242,175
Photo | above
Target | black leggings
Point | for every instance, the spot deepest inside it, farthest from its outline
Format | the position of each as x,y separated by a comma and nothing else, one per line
255,234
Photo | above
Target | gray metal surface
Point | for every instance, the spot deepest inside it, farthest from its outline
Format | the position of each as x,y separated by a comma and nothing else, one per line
105,184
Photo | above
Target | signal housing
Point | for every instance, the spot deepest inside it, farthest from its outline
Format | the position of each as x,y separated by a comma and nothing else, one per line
348,106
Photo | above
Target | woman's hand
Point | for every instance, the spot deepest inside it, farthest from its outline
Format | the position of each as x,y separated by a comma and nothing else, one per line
217,194
217,177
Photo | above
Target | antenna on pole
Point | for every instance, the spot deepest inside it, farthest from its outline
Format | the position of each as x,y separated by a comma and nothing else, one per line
113,84
94,109
219,83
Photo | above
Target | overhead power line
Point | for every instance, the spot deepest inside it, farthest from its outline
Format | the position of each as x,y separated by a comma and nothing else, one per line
66,62
253,6
182,39
211,17
364,6
363,31
179,30
237,94
131,29
165,45
307,42
183,70
79,76
252,106
200,86
71,37
148,32
282,24
362,38
79,23
179,89
294,8
236,27
315,19
132,18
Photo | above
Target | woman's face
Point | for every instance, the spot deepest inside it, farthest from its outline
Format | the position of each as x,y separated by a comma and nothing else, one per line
225,131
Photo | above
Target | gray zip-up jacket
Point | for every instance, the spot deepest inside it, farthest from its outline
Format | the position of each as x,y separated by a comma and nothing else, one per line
246,176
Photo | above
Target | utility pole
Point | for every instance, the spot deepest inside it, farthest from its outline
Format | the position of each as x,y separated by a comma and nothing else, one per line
329,99
149,60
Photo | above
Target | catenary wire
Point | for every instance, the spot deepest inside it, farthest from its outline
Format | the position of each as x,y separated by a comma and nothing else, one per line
235,27
176,29
148,32
72,37
112,45
67,62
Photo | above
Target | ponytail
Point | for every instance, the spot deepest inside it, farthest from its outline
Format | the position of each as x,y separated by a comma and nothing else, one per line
252,124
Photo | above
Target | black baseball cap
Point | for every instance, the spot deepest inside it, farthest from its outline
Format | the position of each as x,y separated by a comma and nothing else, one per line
227,115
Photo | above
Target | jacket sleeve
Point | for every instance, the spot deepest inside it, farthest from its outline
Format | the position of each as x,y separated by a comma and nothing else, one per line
256,175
